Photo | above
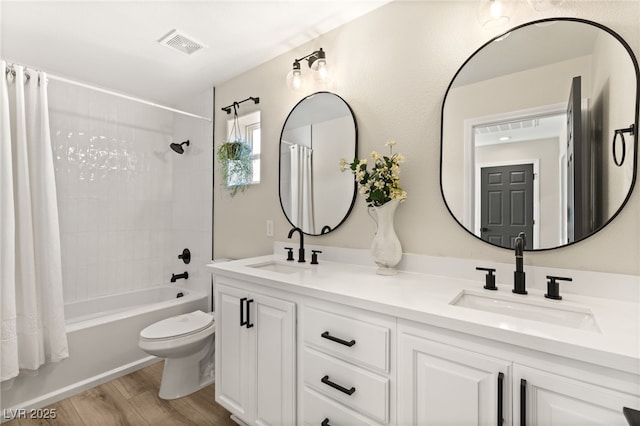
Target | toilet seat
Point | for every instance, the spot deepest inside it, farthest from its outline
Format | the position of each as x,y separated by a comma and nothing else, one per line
176,327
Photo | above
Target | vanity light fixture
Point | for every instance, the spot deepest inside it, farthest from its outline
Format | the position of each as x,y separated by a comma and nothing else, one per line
317,62
494,13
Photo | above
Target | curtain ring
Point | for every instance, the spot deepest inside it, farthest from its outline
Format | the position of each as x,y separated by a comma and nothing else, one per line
621,132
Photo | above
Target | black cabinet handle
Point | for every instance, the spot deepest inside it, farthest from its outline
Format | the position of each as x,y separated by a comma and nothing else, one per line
328,382
249,302
523,402
242,321
325,422
500,394
326,335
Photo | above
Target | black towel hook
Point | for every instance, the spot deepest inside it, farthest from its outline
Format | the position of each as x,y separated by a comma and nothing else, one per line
621,132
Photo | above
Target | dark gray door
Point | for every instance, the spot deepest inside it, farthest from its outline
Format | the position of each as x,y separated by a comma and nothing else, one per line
506,194
578,169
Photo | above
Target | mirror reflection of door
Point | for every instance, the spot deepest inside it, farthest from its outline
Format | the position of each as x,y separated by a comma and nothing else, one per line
522,82
578,169
506,194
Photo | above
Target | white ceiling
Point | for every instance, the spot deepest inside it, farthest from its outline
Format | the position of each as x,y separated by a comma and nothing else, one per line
113,44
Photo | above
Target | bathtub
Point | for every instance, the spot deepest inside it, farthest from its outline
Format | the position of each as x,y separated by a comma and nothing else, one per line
103,344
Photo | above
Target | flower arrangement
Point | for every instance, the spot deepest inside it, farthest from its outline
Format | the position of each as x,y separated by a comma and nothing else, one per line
381,184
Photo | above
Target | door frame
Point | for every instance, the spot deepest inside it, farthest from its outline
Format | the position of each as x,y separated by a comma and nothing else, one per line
536,195
471,194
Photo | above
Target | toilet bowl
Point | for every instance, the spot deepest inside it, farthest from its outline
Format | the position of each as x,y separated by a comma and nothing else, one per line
186,343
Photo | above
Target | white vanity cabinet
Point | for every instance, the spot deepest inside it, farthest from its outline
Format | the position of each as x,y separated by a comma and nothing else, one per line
442,380
367,350
346,367
544,398
439,384
255,354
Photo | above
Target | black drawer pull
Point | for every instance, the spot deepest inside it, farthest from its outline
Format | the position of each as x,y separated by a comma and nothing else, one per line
249,302
326,335
326,381
500,398
523,402
325,422
242,320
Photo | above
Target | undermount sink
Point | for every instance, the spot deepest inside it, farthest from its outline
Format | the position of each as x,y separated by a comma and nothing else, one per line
537,310
280,267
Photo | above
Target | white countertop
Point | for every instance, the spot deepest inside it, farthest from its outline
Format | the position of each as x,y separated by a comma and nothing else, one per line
426,298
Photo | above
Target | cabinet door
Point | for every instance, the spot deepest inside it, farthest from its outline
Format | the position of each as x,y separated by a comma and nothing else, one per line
444,385
274,332
543,398
234,352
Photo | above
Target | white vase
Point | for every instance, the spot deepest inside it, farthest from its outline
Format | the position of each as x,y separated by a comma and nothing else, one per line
385,249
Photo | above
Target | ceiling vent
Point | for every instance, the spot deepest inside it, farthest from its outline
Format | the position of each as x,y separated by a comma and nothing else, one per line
180,42
507,126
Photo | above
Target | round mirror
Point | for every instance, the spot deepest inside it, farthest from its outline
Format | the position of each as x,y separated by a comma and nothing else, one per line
314,194
528,126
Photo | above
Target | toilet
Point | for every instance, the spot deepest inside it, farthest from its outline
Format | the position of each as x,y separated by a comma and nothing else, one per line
186,343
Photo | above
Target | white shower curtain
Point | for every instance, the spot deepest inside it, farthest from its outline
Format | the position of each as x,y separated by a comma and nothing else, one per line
32,309
302,188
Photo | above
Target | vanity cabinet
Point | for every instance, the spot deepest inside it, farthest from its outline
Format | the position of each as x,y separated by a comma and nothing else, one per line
255,354
439,384
444,381
346,367
543,398
312,353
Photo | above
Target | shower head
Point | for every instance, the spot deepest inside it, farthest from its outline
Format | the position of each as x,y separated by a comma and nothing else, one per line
177,147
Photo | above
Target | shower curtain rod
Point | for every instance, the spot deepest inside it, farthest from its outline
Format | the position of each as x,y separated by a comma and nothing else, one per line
122,95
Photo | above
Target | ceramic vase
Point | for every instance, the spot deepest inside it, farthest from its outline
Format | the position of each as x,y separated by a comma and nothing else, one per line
386,248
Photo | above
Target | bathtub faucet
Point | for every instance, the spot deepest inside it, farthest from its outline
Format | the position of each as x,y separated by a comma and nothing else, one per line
175,277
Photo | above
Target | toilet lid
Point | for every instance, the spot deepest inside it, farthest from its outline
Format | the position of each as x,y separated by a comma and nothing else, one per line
177,326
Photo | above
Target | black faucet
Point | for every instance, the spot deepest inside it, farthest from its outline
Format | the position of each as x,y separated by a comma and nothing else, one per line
301,249
519,286
175,277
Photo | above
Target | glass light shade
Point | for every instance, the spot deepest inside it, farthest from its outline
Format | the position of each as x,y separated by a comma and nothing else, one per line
540,5
295,80
321,69
495,13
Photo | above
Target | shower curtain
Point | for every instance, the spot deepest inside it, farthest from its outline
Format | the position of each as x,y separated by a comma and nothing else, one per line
302,188
32,309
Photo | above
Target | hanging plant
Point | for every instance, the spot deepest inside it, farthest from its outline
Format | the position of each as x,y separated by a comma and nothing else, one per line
234,157
236,166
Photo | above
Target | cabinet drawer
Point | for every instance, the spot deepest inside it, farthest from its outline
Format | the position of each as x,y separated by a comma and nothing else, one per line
318,408
369,392
349,338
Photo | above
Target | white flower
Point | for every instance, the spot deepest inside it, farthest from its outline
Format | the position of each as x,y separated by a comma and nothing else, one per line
383,177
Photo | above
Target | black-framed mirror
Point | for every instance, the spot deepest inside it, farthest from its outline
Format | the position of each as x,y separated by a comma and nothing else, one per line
528,126
314,194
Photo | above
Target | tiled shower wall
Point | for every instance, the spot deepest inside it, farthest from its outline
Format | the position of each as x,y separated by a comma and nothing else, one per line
114,180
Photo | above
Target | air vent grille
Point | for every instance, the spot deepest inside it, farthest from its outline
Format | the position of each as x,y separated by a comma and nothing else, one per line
180,42
505,127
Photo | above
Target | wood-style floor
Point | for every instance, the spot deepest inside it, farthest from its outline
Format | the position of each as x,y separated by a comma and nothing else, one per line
133,400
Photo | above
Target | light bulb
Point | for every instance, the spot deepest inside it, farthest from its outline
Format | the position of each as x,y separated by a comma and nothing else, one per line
295,80
495,9
322,69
